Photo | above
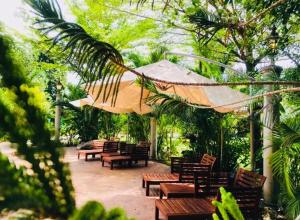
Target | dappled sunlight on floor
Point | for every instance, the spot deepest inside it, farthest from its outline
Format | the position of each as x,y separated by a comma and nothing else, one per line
121,187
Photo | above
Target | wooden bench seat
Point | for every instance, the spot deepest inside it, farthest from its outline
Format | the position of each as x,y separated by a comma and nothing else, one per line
186,190
184,209
110,154
157,178
115,159
177,190
86,153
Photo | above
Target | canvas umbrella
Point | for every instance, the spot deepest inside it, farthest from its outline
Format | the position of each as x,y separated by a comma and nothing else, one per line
130,97
143,109
222,98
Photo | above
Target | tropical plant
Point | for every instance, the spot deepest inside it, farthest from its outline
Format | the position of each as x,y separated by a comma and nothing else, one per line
91,58
94,210
228,207
286,165
44,185
22,117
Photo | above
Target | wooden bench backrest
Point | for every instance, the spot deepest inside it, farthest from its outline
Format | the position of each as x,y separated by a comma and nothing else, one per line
188,170
144,144
130,148
122,147
202,180
245,178
110,146
217,180
140,153
209,160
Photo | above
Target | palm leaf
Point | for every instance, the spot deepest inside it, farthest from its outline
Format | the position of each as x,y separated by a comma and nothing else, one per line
285,164
205,19
93,59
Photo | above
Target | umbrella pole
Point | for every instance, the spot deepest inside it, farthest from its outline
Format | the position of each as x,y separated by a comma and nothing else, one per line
221,143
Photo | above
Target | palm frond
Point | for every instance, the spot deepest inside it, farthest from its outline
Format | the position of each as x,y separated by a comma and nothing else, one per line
95,60
206,20
285,163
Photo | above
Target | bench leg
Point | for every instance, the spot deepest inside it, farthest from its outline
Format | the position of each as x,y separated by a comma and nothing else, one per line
93,155
156,213
112,165
78,156
146,163
86,157
143,183
102,163
147,188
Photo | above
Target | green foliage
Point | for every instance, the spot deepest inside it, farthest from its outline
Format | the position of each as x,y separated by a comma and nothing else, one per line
93,59
109,21
228,205
93,210
286,165
22,116
138,127
26,191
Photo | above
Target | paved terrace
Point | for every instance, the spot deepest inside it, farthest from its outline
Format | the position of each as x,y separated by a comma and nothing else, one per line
121,187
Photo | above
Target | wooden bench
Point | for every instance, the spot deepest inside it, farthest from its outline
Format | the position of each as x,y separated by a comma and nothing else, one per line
110,148
184,209
246,190
115,159
195,208
157,178
187,186
86,153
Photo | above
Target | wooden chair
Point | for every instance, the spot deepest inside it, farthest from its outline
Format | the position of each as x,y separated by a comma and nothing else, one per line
188,187
246,190
158,178
110,148
218,179
201,208
133,154
248,199
140,153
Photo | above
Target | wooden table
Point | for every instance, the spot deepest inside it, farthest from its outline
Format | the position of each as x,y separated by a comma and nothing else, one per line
184,209
157,178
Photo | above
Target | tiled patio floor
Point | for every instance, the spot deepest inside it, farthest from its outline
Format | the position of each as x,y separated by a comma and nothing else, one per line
121,187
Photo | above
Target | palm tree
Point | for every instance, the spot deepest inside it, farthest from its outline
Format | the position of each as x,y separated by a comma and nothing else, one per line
92,59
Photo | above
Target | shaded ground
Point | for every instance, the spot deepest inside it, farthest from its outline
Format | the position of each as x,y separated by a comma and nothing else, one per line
121,187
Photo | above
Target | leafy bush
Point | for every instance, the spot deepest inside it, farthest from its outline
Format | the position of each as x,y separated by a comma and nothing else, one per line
93,210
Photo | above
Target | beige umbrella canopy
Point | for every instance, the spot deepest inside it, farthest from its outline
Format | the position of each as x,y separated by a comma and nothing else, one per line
221,98
143,109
